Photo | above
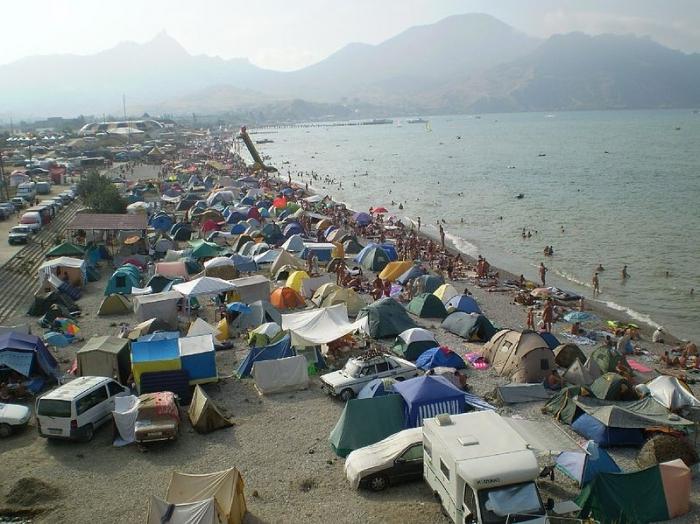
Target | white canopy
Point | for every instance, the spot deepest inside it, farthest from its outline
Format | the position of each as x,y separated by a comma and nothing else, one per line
203,286
219,262
670,393
269,329
62,262
318,326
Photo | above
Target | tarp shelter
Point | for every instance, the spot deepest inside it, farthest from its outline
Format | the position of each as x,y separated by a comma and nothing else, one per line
66,249
583,466
66,269
612,386
123,280
463,303
27,355
386,318
162,306
394,270
439,357
642,413
225,487
606,436
515,393
279,375
286,298
428,396
261,311
198,358
366,421
654,494
201,512
105,356
566,354
295,279
410,344
522,357
446,292
671,393
172,269
280,349
427,305
372,258
154,356
318,326
114,305
250,289
204,414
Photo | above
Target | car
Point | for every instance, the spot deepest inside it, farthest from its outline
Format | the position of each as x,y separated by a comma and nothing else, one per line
12,418
158,417
19,203
19,235
346,383
396,459
8,207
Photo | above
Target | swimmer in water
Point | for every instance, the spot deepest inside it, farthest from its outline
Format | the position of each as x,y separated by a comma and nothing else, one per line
600,267
625,274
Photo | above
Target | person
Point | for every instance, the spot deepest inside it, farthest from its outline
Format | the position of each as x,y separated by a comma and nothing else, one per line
624,273
387,288
658,336
623,341
596,285
670,361
548,315
522,280
466,291
543,273
575,328
340,272
609,342
553,381
531,318
581,304
418,223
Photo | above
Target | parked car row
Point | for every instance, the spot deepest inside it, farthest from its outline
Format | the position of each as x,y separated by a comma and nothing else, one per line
33,217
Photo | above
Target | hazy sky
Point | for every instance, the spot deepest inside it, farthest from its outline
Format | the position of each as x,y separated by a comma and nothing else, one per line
288,34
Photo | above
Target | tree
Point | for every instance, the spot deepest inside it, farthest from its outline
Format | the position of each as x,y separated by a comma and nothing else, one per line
100,194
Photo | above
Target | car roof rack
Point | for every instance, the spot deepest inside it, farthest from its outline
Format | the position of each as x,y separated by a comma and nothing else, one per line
369,355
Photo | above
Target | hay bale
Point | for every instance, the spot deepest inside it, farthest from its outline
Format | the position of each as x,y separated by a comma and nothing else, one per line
30,491
663,448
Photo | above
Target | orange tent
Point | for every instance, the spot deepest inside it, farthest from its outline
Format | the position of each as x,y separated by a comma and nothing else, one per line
286,298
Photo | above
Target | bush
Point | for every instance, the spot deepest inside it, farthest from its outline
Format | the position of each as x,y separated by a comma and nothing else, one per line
100,194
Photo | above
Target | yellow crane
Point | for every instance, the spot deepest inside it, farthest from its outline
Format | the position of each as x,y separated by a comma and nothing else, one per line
258,163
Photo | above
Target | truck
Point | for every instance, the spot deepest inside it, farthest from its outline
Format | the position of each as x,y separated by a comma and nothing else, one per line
481,470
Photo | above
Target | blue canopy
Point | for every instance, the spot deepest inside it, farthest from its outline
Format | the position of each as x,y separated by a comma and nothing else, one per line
23,353
429,396
362,219
162,221
463,303
280,349
437,357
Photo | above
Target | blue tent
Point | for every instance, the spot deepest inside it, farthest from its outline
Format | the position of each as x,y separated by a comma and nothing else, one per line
431,282
377,387
583,466
362,219
390,250
323,254
429,396
280,349
235,217
247,201
415,272
593,429
437,357
26,354
372,257
162,222
550,339
328,231
244,264
463,303
293,228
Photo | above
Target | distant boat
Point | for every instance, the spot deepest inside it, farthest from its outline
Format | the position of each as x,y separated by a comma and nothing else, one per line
264,141
377,121
416,121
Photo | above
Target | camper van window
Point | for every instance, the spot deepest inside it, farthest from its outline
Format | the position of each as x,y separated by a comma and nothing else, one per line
445,470
114,389
544,363
518,502
91,400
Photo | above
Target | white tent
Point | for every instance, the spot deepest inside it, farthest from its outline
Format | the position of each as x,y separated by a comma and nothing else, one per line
318,326
53,267
162,306
669,392
417,335
201,327
310,285
294,244
252,288
219,262
269,329
285,258
284,374
203,286
200,512
313,199
268,257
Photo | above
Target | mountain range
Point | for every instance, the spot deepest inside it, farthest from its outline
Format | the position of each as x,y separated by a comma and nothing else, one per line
464,63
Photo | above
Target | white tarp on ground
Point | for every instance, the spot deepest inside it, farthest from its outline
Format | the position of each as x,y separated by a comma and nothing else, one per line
318,326
310,285
201,512
203,286
162,306
543,437
126,409
284,374
670,393
376,457
201,327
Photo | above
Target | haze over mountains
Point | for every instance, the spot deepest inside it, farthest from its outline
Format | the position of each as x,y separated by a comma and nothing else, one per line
464,63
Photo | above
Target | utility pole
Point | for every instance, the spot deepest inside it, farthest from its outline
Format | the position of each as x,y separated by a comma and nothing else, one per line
5,189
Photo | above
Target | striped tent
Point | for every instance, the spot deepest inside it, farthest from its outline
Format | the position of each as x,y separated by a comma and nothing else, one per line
428,396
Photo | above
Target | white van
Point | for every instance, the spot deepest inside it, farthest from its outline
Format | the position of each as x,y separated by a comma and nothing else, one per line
76,409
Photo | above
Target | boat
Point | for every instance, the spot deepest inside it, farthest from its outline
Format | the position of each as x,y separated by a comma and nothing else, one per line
264,141
416,121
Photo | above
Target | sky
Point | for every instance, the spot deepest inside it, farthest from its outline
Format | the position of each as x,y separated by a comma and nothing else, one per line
291,34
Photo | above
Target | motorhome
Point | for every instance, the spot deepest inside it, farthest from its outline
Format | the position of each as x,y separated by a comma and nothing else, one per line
481,470
27,191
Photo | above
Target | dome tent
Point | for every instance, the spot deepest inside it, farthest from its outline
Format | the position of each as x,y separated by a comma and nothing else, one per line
427,305
386,318
521,356
410,344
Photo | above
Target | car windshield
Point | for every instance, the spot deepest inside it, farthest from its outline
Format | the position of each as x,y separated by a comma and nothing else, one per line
54,408
515,503
352,369
19,230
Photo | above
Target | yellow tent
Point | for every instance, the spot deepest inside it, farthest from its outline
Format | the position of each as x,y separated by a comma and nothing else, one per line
445,292
394,270
322,292
295,279
338,250
346,296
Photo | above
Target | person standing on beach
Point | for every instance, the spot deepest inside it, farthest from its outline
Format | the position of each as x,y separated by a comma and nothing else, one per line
442,236
531,319
596,285
548,315
418,223
543,273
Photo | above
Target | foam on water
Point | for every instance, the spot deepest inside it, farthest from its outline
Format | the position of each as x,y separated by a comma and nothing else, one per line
641,317
462,245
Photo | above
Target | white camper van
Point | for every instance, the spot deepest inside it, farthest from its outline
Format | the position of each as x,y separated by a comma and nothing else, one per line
481,469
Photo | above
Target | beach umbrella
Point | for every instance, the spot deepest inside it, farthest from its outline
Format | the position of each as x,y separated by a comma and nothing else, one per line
579,316
362,219
380,210
238,307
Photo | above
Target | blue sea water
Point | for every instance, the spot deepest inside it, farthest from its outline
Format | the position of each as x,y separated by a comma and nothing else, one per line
623,185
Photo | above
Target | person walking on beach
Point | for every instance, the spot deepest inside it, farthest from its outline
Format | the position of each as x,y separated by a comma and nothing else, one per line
548,315
543,273
596,285
531,319
625,274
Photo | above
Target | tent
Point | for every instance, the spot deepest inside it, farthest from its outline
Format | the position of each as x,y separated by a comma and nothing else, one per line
265,334
318,326
67,269
280,349
323,291
439,357
515,393
550,339
200,512
463,303
123,280
672,393
394,270
244,264
105,356
295,279
198,358
294,244
386,318
286,298
430,283
353,302
606,359
582,374
114,305
654,494
162,306
27,355
413,272
66,249
606,436
285,258
566,354
143,328
428,396
446,292
352,246
172,269
279,375
562,406
427,305
583,466
261,311
612,386
200,327
225,487
471,326
204,249
372,258
250,289
366,421
154,356
377,387
410,344
522,357
203,286
220,267
204,414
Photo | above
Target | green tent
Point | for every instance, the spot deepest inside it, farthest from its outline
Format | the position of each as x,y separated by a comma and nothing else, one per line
66,250
204,249
562,406
386,318
606,359
366,421
625,498
612,386
427,305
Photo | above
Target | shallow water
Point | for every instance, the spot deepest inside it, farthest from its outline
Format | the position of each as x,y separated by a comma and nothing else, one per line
637,204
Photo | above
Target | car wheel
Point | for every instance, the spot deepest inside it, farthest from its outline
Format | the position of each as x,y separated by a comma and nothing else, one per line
89,433
5,430
378,483
347,394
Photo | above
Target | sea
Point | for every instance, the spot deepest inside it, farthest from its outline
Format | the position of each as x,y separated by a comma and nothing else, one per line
613,188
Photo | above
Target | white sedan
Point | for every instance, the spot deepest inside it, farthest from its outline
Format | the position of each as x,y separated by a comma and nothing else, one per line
12,417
